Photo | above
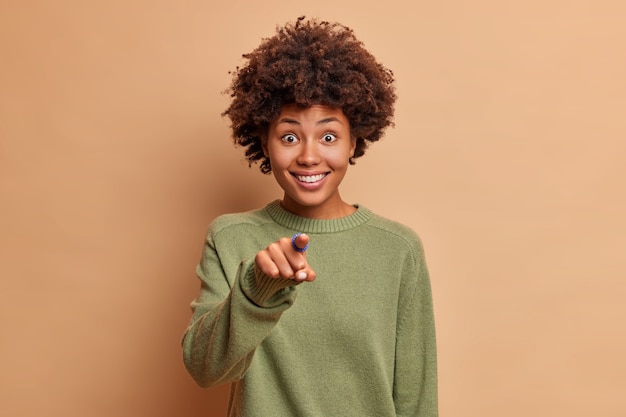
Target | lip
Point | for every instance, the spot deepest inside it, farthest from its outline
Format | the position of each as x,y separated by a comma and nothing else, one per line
312,183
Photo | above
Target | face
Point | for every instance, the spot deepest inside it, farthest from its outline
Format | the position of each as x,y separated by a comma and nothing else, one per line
309,151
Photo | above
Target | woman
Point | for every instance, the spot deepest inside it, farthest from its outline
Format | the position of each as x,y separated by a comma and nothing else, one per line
343,327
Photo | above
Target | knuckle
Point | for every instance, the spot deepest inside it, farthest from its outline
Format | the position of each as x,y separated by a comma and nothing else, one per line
273,248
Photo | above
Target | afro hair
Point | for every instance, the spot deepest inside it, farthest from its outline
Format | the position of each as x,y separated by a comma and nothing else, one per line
306,63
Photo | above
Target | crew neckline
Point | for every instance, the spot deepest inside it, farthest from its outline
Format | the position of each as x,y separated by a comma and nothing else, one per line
306,225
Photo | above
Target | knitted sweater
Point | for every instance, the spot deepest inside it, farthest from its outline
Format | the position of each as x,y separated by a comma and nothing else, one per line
357,341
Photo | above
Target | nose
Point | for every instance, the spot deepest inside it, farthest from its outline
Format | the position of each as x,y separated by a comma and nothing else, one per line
309,154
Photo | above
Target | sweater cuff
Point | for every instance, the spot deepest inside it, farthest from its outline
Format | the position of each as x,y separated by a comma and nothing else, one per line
265,291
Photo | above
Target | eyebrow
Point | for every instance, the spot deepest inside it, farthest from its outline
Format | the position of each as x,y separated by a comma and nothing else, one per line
319,122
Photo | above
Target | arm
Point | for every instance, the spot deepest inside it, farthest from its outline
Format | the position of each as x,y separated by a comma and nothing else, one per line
232,315
415,385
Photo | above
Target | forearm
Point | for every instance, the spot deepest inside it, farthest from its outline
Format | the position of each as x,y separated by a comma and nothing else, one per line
219,344
415,391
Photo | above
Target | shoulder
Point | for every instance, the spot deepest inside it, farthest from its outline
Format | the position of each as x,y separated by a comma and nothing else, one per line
233,221
393,231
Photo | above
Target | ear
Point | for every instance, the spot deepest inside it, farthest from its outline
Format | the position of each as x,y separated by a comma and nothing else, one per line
352,145
266,152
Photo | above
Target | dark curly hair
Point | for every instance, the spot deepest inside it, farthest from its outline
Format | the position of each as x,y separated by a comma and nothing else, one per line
306,63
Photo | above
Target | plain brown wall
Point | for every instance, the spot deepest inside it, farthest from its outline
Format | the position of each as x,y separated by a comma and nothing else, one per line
507,158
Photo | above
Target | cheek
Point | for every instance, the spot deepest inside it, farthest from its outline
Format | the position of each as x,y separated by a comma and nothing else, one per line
338,159
280,158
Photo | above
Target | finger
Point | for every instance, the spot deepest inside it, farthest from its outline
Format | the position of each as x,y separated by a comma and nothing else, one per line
266,265
301,241
278,256
296,259
301,275
311,275
306,274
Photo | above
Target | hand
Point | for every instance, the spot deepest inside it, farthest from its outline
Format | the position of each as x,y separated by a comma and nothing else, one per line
281,260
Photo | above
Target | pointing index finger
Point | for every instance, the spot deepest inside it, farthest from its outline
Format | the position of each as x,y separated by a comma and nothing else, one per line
300,242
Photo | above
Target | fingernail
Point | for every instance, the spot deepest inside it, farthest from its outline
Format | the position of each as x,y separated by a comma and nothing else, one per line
301,275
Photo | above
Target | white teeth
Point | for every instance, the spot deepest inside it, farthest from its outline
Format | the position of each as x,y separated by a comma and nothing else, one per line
310,178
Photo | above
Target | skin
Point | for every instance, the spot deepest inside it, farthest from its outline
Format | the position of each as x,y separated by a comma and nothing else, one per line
309,150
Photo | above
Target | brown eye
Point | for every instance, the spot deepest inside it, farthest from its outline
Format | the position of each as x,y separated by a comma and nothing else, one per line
329,138
289,138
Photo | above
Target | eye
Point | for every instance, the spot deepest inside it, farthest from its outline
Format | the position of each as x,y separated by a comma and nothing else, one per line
329,138
289,138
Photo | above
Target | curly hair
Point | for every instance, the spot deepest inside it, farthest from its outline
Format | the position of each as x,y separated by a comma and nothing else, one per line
307,63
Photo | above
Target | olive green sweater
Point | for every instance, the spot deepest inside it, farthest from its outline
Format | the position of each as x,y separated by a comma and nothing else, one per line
358,341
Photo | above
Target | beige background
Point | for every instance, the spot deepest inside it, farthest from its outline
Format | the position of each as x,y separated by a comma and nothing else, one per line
507,158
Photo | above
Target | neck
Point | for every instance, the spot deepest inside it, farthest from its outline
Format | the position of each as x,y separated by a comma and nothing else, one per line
342,209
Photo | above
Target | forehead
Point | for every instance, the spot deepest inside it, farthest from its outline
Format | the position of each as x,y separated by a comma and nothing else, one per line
315,114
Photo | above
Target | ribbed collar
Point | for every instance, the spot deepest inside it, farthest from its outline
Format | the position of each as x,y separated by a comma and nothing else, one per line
306,225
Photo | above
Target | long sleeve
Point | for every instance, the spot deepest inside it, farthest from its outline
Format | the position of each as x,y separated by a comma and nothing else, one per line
359,340
415,384
232,315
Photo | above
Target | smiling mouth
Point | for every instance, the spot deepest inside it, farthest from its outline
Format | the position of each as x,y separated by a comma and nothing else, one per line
309,179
